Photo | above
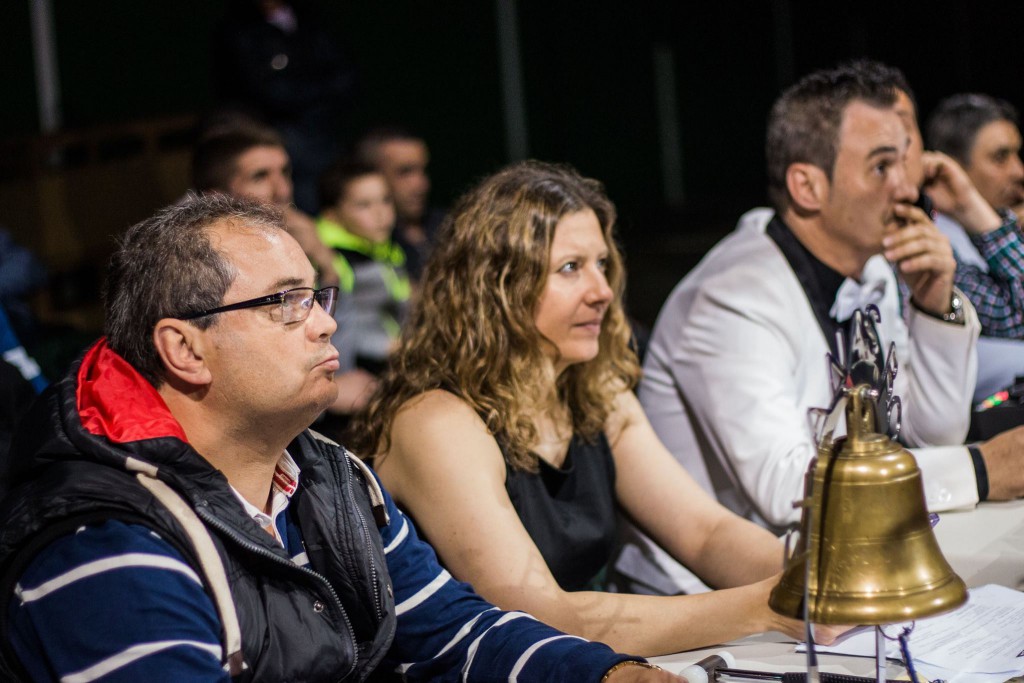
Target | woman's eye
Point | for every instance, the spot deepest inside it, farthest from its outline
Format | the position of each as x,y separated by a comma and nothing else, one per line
570,267
602,263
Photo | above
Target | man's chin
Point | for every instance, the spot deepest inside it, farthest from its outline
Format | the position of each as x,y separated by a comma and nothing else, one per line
329,398
414,213
323,395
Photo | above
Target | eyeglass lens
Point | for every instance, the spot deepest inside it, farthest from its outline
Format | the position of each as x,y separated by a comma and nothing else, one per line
327,298
299,302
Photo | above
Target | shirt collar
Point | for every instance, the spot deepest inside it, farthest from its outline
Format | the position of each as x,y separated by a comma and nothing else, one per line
284,485
819,282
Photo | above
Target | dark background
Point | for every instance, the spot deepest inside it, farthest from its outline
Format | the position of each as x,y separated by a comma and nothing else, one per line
589,87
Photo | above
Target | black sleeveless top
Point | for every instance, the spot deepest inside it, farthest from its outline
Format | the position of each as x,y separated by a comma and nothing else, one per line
569,512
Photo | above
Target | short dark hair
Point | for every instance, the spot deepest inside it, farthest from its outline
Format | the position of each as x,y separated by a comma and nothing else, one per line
334,182
803,126
166,266
881,73
214,161
367,147
954,125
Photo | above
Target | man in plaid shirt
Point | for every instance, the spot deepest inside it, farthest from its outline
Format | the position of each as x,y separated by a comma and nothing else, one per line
980,132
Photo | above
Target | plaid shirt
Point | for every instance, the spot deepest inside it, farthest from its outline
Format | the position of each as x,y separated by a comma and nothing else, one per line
998,293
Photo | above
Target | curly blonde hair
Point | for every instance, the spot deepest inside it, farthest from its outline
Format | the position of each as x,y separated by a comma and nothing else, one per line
473,331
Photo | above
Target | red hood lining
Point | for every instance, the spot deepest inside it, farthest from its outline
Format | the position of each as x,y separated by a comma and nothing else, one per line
116,402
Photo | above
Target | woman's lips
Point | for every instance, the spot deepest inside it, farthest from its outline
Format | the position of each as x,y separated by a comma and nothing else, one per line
593,326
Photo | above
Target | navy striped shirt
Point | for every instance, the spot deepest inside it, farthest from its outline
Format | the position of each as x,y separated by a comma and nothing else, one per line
115,602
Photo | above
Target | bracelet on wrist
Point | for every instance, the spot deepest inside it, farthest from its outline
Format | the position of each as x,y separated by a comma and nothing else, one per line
628,662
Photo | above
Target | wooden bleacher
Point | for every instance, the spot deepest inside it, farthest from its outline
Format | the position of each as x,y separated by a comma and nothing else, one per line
67,196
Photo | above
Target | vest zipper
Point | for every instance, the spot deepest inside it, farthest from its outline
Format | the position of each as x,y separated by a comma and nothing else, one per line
369,553
249,546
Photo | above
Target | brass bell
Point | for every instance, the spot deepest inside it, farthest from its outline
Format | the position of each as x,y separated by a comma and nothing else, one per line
865,533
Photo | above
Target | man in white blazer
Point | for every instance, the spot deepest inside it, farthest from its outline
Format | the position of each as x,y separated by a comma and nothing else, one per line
738,354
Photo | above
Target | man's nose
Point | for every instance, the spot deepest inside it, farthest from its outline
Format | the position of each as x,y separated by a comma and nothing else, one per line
1016,168
320,323
282,189
905,190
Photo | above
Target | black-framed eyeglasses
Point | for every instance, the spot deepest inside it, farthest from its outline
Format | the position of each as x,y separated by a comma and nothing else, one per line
295,304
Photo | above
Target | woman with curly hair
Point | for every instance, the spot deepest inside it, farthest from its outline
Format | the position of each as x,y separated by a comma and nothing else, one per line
507,427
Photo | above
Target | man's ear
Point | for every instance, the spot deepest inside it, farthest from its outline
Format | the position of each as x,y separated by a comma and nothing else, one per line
181,346
808,187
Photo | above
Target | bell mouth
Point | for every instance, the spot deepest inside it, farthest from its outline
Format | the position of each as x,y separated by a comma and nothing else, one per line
842,608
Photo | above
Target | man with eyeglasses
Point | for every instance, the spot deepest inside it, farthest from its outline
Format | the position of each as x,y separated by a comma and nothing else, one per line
173,519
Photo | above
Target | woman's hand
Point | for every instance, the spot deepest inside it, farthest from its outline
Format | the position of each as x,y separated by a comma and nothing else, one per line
795,628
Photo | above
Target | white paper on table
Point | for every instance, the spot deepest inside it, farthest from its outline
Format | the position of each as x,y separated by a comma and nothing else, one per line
984,636
937,673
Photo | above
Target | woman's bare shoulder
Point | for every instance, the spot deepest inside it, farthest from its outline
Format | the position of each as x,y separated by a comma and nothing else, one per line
625,412
436,407
435,430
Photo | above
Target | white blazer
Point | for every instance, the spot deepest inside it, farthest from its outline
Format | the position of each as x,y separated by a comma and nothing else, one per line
737,358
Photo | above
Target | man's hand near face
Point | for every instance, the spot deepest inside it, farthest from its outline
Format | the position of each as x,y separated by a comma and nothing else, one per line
955,195
924,259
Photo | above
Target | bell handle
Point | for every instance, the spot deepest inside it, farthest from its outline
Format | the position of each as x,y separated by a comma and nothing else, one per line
860,412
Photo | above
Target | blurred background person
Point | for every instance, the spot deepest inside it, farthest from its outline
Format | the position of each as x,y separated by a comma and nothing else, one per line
356,222
241,157
21,380
403,158
981,133
21,276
